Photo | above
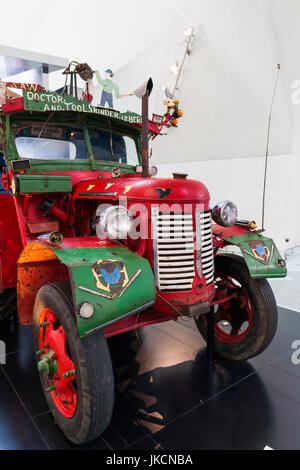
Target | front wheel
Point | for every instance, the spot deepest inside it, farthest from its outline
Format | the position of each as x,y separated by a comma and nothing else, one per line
245,325
76,374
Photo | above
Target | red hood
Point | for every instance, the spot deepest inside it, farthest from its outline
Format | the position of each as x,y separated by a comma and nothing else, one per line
143,189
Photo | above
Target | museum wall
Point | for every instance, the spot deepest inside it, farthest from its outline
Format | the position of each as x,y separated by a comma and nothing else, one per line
225,94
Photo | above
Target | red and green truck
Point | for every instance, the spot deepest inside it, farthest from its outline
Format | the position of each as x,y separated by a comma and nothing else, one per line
93,245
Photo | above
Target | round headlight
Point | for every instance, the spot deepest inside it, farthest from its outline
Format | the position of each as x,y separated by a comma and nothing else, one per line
225,214
114,222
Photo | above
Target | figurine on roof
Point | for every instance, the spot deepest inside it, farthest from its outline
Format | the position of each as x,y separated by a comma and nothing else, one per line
173,112
109,86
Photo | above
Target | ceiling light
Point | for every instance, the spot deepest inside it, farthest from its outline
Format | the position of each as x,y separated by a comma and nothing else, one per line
174,69
189,31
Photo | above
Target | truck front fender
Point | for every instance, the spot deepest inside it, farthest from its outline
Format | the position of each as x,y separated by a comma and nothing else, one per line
260,253
106,278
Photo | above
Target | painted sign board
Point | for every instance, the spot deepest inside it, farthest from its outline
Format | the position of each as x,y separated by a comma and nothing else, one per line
49,101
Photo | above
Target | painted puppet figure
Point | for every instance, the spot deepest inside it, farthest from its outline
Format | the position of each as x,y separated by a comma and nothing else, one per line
109,86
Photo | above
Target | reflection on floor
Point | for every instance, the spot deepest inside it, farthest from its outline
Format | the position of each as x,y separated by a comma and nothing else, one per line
287,291
167,395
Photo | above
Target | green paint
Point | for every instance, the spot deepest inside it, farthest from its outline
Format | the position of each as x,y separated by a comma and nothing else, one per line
42,351
50,101
137,295
29,184
48,365
66,375
89,146
259,270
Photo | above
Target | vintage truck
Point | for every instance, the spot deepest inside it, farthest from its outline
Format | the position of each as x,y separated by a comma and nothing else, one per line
93,245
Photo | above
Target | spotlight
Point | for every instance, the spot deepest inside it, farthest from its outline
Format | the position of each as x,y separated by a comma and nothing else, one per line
189,31
175,68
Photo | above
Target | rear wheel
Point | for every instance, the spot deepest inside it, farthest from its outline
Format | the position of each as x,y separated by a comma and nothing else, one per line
76,374
246,324
8,303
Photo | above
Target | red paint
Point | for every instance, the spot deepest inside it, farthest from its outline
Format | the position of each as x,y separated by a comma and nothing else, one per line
143,190
237,310
13,105
10,241
53,337
226,232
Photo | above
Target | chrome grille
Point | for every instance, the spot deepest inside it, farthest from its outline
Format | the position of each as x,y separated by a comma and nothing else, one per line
207,253
173,243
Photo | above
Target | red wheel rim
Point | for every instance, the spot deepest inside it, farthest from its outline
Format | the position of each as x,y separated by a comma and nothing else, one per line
233,319
53,338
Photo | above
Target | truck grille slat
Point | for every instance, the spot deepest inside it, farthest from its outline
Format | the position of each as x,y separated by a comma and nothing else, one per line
207,255
174,249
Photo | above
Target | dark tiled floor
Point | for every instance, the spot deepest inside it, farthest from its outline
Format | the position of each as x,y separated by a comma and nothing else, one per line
167,395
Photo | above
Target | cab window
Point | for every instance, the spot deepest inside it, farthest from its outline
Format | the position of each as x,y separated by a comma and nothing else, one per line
48,141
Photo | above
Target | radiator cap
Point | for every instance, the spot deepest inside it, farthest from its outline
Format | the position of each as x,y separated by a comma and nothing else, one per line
180,176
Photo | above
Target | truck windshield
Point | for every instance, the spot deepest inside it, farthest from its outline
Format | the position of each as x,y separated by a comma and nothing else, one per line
67,142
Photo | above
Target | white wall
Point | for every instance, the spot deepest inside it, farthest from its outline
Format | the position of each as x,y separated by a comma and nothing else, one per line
225,93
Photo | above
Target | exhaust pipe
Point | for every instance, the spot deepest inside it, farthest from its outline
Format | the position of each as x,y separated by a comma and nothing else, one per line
143,92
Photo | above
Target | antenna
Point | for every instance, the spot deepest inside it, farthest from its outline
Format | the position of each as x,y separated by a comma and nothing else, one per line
268,147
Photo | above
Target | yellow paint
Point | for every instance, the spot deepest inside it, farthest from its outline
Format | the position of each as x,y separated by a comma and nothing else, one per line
90,187
127,189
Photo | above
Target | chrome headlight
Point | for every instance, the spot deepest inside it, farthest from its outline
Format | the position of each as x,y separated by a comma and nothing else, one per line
114,222
225,214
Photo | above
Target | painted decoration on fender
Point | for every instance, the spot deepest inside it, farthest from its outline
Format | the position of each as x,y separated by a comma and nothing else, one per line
111,276
260,251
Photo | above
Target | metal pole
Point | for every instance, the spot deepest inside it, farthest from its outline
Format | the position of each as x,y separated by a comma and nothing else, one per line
145,136
267,151
187,52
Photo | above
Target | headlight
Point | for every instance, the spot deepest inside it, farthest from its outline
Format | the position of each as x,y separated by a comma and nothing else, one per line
225,214
114,222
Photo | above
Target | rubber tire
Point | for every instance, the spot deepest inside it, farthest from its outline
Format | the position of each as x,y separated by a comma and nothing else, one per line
8,304
94,373
264,311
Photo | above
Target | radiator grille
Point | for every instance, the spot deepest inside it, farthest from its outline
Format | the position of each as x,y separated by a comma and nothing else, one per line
207,253
174,250
173,241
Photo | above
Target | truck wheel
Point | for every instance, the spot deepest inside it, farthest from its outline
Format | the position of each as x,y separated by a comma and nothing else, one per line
8,303
246,324
76,374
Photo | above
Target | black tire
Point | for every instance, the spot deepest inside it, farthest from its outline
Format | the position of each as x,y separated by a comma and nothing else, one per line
94,374
8,304
264,321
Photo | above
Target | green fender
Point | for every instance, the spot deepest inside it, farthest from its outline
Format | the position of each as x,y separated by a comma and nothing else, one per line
117,282
261,255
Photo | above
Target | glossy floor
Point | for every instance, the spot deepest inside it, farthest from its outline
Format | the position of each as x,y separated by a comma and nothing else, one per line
167,395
